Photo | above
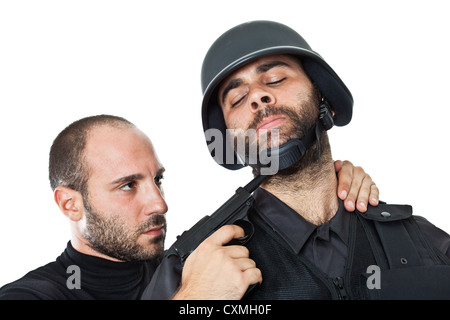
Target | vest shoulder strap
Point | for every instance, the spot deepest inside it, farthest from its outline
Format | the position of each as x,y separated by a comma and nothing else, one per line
387,212
403,242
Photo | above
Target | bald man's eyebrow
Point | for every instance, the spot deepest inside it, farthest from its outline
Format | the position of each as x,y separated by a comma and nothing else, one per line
233,84
161,171
127,179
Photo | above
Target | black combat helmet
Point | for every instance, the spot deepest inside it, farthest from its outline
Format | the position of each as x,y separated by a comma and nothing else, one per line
249,41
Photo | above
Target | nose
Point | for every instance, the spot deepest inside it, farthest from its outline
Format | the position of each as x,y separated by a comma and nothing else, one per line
259,97
154,201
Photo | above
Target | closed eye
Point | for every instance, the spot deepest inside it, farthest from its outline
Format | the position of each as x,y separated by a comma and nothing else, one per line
238,102
276,82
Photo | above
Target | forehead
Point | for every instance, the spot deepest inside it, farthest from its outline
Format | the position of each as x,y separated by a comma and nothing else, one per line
291,61
112,151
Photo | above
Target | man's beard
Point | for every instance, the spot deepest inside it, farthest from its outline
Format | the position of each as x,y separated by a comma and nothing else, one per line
299,119
112,237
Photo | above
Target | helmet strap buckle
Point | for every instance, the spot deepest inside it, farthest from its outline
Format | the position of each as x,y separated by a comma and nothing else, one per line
325,122
326,115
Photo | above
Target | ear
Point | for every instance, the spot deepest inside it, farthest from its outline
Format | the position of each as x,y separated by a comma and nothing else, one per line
70,202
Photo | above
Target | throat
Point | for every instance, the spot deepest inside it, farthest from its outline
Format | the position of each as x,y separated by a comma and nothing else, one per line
310,191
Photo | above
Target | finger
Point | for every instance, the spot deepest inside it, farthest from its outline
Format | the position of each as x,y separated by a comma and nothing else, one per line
358,178
244,263
253,275
374,196
363,195
345,177
368,194
338,165
225,234
236,252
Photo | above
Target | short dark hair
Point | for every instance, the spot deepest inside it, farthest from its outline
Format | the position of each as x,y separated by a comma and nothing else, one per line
67,166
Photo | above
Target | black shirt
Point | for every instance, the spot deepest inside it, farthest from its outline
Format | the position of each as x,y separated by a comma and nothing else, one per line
99,279
325,245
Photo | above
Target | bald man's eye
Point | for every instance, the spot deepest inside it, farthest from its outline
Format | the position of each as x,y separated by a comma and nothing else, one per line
158,180
129,186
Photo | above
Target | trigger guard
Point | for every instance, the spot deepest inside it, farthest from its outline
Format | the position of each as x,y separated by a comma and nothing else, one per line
248,230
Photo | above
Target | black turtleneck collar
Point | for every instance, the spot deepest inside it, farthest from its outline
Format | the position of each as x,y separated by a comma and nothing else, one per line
106,279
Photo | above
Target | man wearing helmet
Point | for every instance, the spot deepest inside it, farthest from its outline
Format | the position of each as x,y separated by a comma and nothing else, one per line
263,76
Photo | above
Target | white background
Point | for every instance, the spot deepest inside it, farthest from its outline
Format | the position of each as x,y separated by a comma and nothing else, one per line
63,60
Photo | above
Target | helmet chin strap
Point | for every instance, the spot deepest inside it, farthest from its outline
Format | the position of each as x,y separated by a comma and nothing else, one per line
292,151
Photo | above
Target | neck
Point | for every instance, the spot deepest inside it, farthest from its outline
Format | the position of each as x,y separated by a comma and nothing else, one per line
80,244
309,190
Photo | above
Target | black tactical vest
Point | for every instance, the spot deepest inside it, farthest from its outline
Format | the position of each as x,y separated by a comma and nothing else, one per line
388,258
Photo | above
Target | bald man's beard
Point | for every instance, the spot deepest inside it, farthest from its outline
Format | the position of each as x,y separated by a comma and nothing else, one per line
110,235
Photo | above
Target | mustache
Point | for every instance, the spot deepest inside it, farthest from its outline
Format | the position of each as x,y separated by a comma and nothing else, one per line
270,110
155,220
